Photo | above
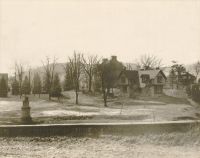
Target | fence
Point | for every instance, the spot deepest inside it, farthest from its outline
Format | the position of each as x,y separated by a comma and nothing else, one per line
175,93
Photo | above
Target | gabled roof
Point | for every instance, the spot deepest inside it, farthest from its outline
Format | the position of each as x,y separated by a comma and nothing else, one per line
130,74
187,73
152,73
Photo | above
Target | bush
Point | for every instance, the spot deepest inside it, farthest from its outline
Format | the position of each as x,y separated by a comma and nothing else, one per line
195,93
15,87
56,88
188,91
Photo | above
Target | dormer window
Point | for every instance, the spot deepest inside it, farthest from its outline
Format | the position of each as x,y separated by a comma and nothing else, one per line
159,79
145,78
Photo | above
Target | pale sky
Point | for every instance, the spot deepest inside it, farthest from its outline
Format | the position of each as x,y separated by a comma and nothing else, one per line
33,29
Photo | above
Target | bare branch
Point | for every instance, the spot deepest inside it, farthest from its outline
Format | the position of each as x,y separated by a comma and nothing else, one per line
149,62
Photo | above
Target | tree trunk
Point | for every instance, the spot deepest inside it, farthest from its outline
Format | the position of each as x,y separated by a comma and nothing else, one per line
76,96
90,84
105,97
20,93
49,96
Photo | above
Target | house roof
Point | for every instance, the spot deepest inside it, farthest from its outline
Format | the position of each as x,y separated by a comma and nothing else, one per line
152,73
130,74
187,73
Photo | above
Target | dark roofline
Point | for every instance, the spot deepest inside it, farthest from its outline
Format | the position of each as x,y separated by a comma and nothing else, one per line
163,74
125,72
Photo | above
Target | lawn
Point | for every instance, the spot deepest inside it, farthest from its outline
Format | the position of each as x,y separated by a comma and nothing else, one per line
91,109
173,145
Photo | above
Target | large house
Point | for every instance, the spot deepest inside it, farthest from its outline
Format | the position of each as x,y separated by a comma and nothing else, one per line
5,76
3,91
145,82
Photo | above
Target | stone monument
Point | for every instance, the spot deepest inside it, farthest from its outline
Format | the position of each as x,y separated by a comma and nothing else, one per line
26,117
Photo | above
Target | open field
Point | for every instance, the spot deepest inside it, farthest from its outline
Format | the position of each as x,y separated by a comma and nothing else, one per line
91,109
173,145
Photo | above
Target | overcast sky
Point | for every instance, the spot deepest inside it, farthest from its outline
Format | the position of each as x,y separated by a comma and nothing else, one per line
32,29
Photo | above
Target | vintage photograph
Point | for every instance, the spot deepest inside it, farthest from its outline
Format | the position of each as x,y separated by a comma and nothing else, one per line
99,78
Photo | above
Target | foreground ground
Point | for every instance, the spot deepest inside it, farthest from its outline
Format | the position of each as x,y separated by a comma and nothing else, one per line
91,109
173,145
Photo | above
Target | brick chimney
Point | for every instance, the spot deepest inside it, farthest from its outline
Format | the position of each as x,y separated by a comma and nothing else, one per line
104,60
113,57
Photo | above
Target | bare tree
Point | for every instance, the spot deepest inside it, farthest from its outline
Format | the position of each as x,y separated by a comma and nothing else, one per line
128,66
68,83
29,77
19,72
75,70
89,64
49,73
147,62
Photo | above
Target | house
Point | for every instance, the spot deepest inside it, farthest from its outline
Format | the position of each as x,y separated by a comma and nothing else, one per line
129,82
116,67
5,76
3,87
152,81
144,82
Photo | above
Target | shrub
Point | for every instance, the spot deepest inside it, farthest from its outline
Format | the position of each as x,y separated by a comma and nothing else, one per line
195,93
15,87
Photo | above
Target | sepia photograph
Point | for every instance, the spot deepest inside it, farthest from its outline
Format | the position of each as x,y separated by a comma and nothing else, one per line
99,78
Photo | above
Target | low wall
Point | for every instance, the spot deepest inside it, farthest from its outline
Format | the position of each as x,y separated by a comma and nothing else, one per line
94,130
175,93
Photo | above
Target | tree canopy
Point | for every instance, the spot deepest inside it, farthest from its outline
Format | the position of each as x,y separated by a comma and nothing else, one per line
26,89
37,84
56,87
15,87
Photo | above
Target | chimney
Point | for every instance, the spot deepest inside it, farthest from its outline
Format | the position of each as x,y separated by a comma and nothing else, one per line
104,60
113,57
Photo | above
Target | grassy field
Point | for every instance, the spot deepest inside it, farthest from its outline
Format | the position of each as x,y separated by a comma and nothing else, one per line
173,145
91,109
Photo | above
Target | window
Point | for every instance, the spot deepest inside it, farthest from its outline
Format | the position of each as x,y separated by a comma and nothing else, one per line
145,78
123,80
159,79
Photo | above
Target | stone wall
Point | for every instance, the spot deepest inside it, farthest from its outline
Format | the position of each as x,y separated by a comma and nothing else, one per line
96,129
